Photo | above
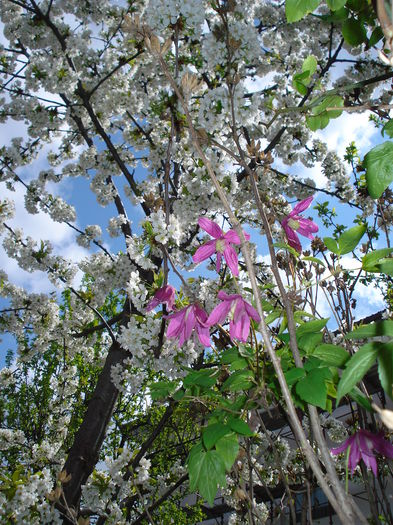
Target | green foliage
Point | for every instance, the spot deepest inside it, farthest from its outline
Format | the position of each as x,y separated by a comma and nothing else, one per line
206,471
301,80
357,366
378,164
354,32
334,5
347,241
297,9
331,355
321,111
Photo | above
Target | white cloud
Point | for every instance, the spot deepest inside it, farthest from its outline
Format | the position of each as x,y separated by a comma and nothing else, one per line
347,128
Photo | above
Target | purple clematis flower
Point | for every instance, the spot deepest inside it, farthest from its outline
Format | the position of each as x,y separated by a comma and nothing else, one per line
295,223
221,245
166,295
184,321
363,445
239,312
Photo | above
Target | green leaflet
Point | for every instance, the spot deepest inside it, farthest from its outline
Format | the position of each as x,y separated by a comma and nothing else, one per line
206,471
228,448
357,366
379,168
297,9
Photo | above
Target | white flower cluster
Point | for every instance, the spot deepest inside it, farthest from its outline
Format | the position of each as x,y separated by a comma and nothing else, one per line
7,210
160,14
92,233
29,503
135,249
115,224
142,471
127,378
335,172
164,233
140,337
11,438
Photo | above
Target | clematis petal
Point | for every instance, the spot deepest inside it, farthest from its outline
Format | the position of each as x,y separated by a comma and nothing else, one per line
307,227
204,251
230,256
218,262
203,335
301,206
354,456
341,448
382,446
152,304
189,322
252,312
174,327
210,227
293,240
370,462
225,297
219,313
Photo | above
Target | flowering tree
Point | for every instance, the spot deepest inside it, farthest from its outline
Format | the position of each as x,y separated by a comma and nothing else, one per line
138,391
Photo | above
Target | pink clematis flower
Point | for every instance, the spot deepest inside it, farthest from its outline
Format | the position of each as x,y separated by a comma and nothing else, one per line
221,245
184,321
295,223
166,295
239,312
363,445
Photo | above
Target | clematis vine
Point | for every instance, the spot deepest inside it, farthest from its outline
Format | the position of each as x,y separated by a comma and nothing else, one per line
165,295
240,312
294,223
363,445
184,321
221,245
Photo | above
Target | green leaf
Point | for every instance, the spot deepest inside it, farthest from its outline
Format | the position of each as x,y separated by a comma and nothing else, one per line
348,240
385,266
308,342
378,329
332,355
357,366
385,368
230,355
310,65
375,37
370,260
354,32
331,244
357,395
293,375
207,472
238,364
240,427
297,9
314,260
379,168
228,448
162,389
285,246
239,380
388,129
334,5
273,316
213,433
312,389
321,112
203,378
311,327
